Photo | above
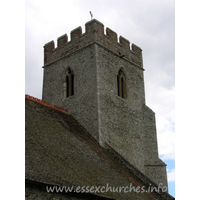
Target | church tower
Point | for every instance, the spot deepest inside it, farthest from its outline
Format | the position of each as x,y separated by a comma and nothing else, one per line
100,81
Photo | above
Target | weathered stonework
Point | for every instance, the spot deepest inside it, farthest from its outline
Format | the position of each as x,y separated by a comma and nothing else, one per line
127,125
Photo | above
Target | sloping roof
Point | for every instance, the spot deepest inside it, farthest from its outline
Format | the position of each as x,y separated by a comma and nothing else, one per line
59,151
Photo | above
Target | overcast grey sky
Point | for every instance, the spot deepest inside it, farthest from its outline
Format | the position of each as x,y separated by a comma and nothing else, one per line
148,24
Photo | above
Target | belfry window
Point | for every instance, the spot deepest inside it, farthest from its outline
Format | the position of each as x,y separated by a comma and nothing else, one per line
121,84
69,83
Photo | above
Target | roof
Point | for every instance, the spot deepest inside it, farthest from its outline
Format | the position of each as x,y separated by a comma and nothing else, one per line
59,151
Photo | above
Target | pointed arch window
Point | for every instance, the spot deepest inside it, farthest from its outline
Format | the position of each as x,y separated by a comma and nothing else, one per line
69,83
121,84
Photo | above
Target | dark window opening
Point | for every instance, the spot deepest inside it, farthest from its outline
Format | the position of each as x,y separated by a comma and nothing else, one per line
69,83
121,85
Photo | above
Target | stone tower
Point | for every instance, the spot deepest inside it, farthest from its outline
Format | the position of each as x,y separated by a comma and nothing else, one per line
100,81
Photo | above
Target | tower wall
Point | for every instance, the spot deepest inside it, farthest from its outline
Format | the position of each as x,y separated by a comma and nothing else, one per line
80,55
120,120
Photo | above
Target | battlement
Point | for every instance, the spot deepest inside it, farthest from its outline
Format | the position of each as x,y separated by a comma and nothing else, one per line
94,34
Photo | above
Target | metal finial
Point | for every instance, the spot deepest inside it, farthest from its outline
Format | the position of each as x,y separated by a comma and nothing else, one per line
91,15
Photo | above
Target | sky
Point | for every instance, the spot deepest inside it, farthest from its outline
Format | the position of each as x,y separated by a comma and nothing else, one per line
148,24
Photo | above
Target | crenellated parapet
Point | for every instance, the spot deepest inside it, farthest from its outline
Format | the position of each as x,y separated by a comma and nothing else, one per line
94,33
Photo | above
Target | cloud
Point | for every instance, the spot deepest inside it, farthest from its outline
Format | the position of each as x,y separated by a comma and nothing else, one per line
171,175
162,102
166,141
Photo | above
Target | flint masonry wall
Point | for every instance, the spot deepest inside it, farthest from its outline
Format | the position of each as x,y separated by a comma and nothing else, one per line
95,58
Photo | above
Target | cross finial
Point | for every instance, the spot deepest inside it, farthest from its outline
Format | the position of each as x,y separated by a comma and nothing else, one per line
91,15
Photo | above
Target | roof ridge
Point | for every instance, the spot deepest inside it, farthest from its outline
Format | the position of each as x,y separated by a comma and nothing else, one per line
45,103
